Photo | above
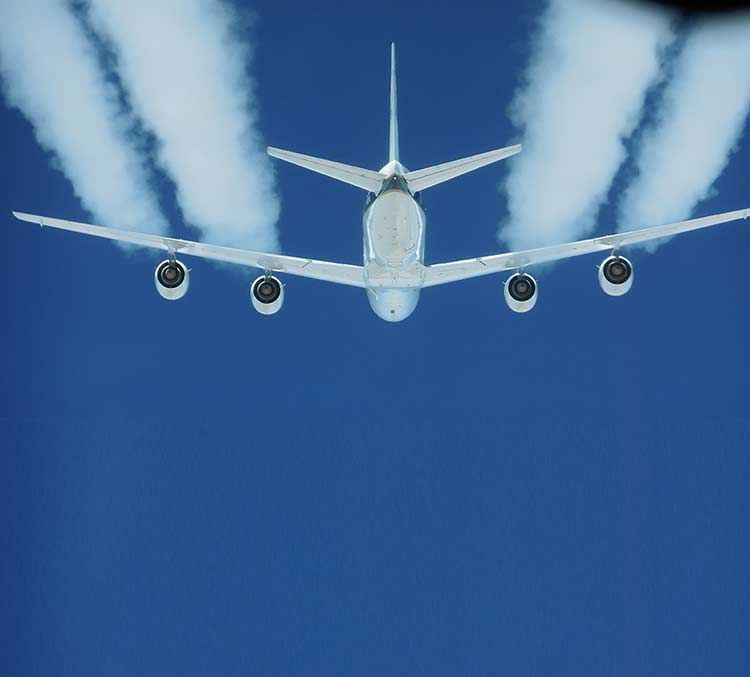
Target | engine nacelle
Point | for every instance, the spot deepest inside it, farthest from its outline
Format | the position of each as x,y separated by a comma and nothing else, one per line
172,279
616,275
521,293
267,294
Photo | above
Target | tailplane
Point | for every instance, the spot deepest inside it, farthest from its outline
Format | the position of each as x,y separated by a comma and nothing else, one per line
432,176
372,181
366,179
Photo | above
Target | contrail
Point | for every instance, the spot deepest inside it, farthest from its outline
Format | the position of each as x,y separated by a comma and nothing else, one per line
697,127
582,96
51,74
184,67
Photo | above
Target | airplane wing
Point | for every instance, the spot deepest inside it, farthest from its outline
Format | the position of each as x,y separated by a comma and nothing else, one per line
319,270
443,273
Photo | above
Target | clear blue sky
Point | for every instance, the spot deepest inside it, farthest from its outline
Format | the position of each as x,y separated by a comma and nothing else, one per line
191,488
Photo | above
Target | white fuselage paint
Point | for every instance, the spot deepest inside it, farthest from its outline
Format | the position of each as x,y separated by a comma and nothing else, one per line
394,238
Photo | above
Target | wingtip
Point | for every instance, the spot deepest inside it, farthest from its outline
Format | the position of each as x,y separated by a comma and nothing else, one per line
21,216
29,218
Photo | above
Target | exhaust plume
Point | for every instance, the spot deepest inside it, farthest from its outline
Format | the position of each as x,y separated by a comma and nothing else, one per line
697,127
582,96
51,74
183,65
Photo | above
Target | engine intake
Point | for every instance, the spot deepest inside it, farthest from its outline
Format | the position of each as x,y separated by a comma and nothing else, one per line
521,293
172,279
616,275
267,294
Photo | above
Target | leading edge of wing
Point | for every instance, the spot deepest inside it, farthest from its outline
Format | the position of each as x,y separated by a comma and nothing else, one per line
442,273
341,273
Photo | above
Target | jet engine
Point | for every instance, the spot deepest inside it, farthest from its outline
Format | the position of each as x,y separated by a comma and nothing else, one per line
616,275
267,294
172,279
521,293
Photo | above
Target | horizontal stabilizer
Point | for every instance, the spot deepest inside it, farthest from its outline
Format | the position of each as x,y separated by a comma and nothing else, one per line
356,176
431,176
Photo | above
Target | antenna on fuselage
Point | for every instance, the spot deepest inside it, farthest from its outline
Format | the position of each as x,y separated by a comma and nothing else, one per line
393,137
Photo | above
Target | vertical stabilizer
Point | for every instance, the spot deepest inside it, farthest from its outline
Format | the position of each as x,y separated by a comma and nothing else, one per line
393,138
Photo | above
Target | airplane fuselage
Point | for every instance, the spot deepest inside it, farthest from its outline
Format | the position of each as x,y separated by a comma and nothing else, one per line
394,242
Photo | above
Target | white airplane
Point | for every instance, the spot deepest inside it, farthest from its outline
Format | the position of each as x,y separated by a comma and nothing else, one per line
394,272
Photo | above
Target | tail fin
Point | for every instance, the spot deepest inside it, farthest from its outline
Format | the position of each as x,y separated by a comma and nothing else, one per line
393,136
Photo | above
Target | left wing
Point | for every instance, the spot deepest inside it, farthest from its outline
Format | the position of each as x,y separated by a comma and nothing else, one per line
485,265
320,270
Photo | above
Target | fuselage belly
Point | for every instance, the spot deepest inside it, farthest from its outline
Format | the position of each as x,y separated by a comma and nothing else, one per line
394,241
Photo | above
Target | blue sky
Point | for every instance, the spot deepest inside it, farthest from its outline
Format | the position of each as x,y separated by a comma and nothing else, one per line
191,488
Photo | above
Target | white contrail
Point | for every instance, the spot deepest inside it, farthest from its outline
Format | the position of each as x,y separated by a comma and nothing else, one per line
582,96
697,127
51,74
185,69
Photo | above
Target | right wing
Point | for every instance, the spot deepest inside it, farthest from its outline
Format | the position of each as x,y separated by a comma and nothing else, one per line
442,273
320,270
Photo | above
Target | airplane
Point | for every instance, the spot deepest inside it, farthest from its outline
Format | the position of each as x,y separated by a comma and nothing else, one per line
393,271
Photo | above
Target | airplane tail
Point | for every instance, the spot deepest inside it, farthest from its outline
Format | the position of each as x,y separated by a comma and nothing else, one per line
372,181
